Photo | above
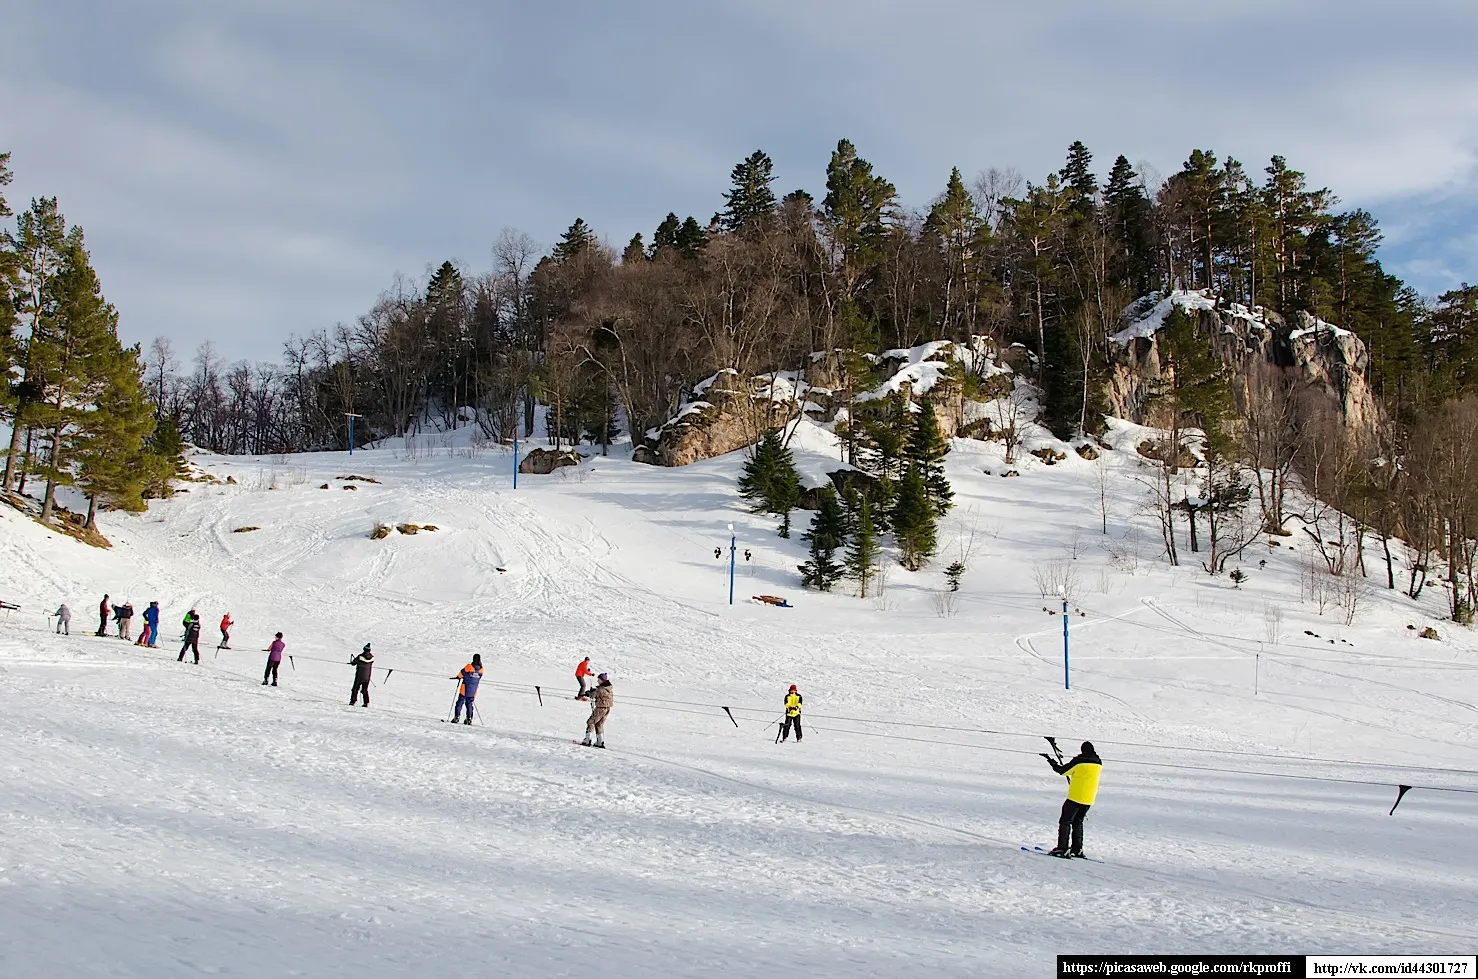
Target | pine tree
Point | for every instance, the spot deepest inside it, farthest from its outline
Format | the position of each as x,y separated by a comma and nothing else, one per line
863,551
111,451
925,450
1194,383
955,221
953,574
445,287
635,251
76,356
750,203
827,535
575,240
8,264
38,251
853,214
913,521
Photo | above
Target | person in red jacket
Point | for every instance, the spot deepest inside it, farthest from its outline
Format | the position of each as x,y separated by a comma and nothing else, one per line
583,672
103,616
225,631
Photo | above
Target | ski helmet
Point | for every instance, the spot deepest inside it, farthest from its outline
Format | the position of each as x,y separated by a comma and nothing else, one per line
477,659
792,688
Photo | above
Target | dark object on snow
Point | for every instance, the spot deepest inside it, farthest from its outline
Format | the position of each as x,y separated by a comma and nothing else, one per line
774,600
364,665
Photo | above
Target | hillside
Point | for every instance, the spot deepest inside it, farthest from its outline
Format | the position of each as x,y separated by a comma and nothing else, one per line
159,819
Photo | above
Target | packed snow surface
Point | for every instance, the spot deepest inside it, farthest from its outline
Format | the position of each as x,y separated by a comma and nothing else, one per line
164,819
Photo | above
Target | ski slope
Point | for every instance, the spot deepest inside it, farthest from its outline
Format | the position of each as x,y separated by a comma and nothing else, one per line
163,819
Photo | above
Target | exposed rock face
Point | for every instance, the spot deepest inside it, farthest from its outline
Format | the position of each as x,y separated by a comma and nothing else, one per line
542,462
844,480
1321,356
710,428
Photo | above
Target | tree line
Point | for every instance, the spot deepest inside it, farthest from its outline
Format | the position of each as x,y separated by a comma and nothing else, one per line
74,400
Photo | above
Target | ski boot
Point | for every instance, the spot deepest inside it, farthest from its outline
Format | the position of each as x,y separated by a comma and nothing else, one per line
1058,852
469,719
586,742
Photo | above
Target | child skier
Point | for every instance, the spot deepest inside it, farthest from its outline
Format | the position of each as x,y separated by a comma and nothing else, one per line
364,665
582,673
64,620
601,699
191,624
792,715
1082,789
471,676
225,631
274,660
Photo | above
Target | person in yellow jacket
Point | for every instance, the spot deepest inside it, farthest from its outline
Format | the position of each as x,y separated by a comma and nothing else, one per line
792,715
1082,790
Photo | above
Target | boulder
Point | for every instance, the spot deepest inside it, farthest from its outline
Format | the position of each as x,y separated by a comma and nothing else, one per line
845,480
542,462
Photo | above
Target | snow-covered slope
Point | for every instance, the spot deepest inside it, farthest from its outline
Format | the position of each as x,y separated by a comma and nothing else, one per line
161,819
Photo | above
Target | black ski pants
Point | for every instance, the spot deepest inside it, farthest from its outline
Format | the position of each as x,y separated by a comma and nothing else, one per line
271,671
190,644
102,623
361,686
785,731
1070,825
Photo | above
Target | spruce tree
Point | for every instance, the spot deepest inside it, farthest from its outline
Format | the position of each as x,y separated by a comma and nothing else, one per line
925,450
635,251
691,238
1078,179
1129,217
863,551
8,261
38,249
913,521
769,480
827,535
163,459
575,240
664,239
750,203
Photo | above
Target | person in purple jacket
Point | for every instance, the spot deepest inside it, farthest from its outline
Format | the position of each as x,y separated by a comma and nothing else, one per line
274,660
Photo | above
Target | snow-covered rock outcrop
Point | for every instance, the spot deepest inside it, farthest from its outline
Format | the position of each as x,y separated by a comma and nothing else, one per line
1320,355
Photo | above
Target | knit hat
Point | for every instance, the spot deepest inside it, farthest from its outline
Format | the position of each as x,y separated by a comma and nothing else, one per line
603,678
366,647
792,688
477,659
1088,748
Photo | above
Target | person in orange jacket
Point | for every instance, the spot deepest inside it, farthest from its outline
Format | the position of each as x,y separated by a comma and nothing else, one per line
471,676
583,673
225,631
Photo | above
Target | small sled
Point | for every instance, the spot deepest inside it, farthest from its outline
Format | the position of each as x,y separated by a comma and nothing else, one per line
774,600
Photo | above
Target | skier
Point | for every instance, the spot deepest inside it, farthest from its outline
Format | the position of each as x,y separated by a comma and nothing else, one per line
150,636
470,676
364,665
124,613
103,616
225,632
191,624
582,673
603,696
792,715
1082,789
274,660
718,553
63,620
746,555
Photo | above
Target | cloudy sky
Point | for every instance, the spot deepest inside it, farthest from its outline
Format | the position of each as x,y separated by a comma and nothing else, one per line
250,169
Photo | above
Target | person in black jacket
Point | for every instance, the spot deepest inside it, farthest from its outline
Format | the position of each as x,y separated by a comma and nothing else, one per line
191,625
364,665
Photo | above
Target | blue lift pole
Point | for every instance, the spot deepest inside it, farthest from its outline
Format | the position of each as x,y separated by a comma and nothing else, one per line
1067,683
733,547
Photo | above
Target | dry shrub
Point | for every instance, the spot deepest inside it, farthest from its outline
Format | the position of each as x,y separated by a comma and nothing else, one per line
245,530
381,531
408,528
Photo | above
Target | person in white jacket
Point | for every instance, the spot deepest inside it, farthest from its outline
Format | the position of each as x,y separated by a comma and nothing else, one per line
63,620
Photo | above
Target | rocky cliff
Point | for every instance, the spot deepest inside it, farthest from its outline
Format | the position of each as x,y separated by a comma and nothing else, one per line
1319,355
